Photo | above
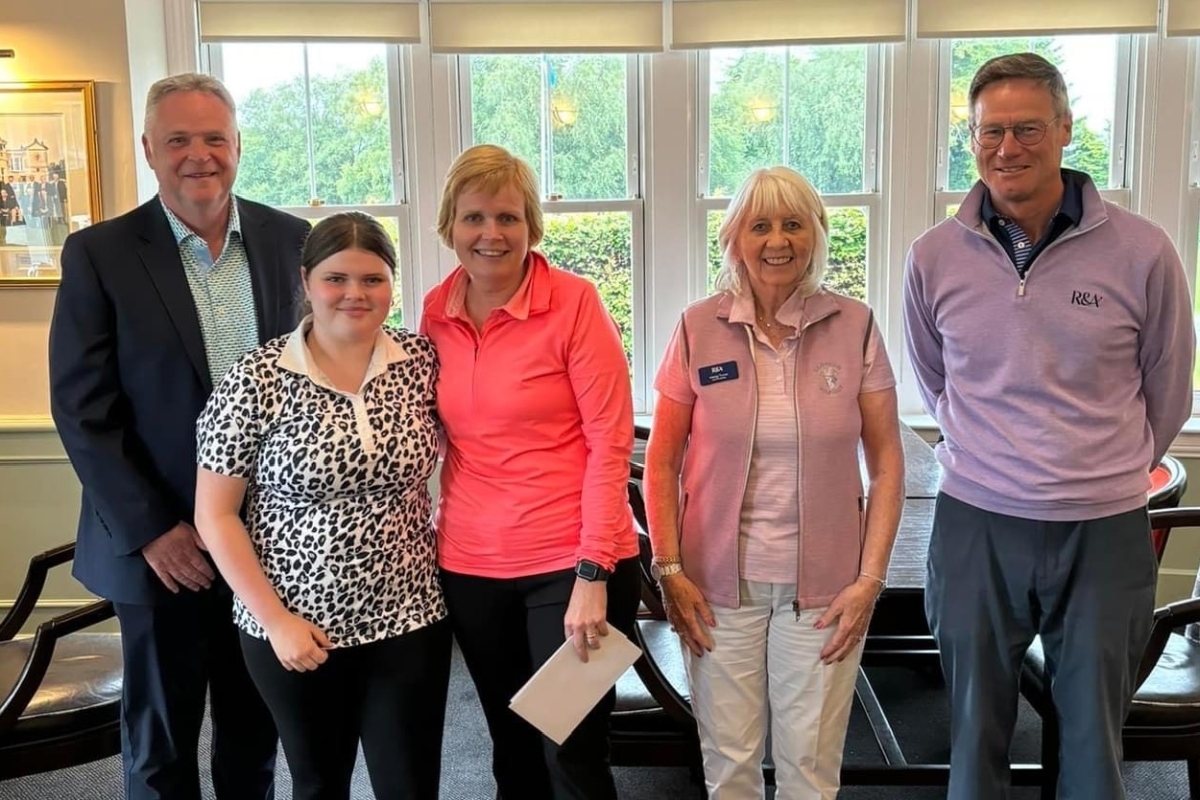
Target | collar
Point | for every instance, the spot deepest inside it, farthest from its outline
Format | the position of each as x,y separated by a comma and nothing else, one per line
531,297
182,232
798,311
297,358
1070,207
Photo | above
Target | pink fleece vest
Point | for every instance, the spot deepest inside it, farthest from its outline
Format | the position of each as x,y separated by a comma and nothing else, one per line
830,374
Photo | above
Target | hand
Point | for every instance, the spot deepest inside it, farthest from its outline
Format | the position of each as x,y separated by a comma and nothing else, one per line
688,612
176,559
585,621
851,609
298,644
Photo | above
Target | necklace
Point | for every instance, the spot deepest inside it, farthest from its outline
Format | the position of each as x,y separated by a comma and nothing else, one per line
770,326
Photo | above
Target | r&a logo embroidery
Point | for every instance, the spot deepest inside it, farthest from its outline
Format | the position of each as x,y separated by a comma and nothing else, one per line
830,383
1079,298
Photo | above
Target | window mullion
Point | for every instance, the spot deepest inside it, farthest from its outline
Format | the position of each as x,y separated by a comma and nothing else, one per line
633,131
873,120
547,133
703,110
308,129
1118,163
942,123
398,126
462,70
786,102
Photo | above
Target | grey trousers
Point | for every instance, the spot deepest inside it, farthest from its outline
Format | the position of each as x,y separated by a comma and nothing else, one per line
1087,588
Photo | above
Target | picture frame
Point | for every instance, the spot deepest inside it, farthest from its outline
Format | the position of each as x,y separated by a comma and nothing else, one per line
49,176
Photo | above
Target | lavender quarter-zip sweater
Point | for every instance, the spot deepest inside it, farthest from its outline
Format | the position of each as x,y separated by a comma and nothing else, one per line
1054,404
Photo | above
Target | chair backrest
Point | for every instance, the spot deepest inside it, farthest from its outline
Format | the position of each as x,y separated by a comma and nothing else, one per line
651,597
1168,482
1167,519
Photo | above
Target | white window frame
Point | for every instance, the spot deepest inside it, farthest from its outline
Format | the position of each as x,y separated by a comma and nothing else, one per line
871,197
633,205
399,119
1119,167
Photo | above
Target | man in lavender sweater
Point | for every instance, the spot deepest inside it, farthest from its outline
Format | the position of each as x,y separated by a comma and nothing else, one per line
1051,335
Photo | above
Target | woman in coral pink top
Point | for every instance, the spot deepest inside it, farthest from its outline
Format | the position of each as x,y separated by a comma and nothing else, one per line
535,537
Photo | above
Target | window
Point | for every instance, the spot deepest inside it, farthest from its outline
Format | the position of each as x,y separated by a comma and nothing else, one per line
570,116
811,108
1096,69
321,131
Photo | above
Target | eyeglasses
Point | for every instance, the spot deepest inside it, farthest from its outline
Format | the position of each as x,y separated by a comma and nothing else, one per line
989,137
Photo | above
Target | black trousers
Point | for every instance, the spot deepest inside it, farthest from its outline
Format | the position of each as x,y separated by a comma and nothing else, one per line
506,629
175,652
391,694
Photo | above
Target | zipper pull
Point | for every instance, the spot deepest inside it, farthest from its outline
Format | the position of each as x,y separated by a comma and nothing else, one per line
1021,288
796,609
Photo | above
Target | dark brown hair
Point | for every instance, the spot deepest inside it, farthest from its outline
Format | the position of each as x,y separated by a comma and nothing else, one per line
346,230
1021,66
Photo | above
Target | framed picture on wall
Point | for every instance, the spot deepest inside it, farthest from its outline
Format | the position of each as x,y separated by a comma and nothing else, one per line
49,175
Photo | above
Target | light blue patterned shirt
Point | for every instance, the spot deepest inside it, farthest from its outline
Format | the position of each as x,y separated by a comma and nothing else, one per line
222,290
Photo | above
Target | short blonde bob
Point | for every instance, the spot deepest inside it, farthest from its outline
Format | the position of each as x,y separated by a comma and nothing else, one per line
769,192
489,168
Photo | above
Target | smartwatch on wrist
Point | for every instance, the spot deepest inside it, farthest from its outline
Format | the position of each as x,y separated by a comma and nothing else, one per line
591,571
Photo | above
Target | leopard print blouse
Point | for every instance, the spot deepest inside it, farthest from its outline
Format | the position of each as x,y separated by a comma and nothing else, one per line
337,506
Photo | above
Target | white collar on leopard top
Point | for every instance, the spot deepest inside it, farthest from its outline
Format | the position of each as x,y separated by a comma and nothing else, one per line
296,357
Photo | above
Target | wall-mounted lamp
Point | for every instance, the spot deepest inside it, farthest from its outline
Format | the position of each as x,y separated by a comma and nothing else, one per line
369,103
9,53
762,112
563,111
564,115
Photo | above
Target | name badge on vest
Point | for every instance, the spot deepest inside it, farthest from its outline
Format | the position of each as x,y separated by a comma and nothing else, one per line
718,373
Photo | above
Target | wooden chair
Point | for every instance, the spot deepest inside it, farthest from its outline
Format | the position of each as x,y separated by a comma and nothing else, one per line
652,724
61,689
1168,482
1164,722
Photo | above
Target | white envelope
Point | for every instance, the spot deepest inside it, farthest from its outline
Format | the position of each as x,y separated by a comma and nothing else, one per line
560,694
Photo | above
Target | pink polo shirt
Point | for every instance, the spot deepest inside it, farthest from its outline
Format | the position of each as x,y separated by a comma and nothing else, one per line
538,414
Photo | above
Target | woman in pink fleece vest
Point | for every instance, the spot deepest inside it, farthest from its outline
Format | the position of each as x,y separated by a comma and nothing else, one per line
769,552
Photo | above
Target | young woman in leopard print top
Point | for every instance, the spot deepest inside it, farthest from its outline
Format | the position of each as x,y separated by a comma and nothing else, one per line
329,436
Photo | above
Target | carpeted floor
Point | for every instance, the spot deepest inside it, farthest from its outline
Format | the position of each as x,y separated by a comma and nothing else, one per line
914,701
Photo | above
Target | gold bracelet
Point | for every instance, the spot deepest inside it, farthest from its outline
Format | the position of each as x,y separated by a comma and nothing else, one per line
667,559
882,582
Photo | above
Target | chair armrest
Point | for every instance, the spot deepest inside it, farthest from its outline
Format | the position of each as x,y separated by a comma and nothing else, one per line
1170,617
650,593
41,654
652,677
31,590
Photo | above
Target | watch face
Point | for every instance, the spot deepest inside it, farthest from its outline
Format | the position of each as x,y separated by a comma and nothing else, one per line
590,571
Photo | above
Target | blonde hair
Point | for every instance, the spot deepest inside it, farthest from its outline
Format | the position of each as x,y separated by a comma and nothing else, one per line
186,82
765,193
489,168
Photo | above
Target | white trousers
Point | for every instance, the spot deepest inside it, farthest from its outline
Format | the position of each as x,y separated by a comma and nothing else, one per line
766,663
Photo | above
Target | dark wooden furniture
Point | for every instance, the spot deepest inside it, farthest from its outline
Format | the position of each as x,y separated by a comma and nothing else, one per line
1168,482
898,635
61,689
1164,721
652,723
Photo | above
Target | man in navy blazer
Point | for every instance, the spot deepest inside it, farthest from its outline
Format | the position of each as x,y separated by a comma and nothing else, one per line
154,307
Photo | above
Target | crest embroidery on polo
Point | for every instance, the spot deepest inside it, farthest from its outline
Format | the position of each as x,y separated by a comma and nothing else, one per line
830,382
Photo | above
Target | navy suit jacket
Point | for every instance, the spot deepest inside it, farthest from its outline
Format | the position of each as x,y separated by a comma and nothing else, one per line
129,376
